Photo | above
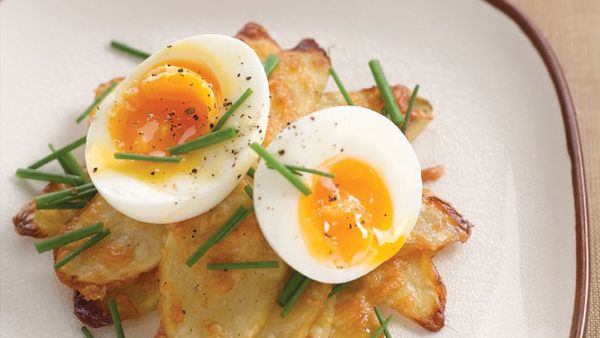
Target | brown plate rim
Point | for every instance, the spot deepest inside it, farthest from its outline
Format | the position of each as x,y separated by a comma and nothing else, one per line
580,307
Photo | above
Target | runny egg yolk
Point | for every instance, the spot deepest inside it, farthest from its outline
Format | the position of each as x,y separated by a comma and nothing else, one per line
346,220
170,105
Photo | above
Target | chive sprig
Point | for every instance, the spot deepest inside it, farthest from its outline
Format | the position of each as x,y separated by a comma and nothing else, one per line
59,153
383,326
96,102
295,296
292,284
147,158
129,50
341,87
69,237
66,195
271,63
35,174
381,322
78,250
282,169
69,164
232,109
391,107
299,169
243,265
204,141
337,289
249,191
116,318
62,205
223,231
409,109
86,332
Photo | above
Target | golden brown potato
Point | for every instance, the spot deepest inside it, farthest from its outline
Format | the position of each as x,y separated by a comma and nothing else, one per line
439,224
370,98
354,315
30,221
133,300
322,326
297,84
257,37
196,302
131,249
301,317
421,296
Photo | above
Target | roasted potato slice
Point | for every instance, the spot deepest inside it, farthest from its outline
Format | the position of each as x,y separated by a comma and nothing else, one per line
133,300
30,221
257,37
197,302
354,316
297,84
131,249
421,296
322,326
301,317
439,224
370,98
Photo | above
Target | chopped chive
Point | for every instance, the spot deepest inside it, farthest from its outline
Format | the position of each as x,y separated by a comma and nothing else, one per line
232,109
69,237
204,141
148,158
62,205
61,161
295,296
381,321
341,87
385,91
243,265
78,250
35,174
86,332
65,194
69,200
337,288
251,172
129,50
96,102
292,284
116,318
271,63
69,164
382,328
409,109
225,229
249,191
58,153
285,172
296,169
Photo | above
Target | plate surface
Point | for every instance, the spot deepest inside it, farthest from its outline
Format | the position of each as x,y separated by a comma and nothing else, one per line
498,130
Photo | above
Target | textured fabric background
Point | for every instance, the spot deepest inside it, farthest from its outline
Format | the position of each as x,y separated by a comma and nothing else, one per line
573,29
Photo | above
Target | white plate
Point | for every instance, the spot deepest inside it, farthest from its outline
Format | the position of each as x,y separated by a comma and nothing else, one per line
498,130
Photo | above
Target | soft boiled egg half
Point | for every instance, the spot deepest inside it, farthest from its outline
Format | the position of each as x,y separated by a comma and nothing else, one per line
351,223
178,95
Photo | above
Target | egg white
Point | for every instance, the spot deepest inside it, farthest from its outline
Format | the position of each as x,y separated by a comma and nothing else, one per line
337,132
183,196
